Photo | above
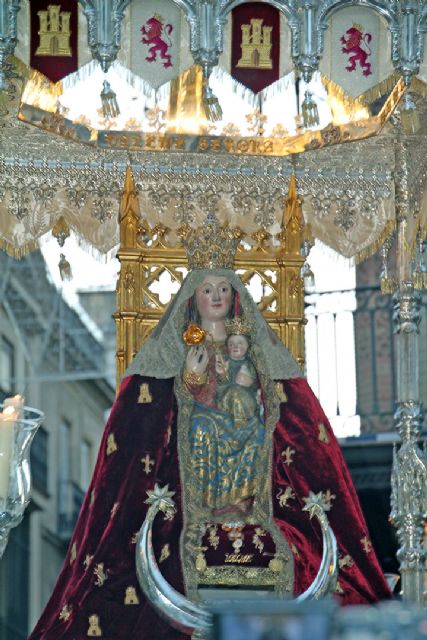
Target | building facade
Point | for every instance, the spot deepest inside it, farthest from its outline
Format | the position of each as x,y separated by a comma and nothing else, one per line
53,356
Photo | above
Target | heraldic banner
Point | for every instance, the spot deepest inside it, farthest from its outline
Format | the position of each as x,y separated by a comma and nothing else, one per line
156,38
53,49
255,45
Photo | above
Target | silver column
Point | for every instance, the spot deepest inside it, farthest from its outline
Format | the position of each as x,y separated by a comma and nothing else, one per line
409,473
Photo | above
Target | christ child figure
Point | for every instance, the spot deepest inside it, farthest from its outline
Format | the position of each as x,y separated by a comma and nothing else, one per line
237,390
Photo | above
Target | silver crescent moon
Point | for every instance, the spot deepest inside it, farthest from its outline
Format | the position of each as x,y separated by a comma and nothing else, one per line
189,617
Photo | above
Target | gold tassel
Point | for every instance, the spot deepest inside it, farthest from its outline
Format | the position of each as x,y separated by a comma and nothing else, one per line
65,268
110,107
211,105
409,115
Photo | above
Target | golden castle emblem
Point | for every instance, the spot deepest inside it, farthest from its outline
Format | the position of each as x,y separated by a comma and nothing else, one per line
54,32
256,46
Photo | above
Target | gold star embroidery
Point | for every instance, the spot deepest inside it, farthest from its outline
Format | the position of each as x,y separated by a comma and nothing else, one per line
73,553
328,497
94,628
287,455
131,596
133,539
114,509
367,544
100,574
339,589
345,561
111,444
284,496
164,553
87,561
323,436
147,464
145,396
281,392
65,612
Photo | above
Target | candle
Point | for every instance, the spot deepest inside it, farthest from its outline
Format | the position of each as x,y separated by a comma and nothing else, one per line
7,427
17,402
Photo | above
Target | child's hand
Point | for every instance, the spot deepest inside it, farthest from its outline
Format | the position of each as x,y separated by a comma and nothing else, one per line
221,367
243,377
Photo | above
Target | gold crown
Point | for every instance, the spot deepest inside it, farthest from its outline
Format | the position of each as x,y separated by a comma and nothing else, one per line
158,17
211,246
238,326
358,27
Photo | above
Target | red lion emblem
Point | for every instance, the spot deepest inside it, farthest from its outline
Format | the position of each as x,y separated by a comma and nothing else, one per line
152,32
353,45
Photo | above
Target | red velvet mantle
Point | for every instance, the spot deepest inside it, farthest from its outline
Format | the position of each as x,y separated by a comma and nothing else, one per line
114,509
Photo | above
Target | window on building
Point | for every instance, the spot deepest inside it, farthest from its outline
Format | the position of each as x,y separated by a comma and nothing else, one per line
7,365
85,464
39,460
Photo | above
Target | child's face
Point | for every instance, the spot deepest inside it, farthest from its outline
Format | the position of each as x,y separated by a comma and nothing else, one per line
237,347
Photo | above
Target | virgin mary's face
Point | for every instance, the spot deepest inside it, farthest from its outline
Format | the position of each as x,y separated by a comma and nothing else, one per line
213,298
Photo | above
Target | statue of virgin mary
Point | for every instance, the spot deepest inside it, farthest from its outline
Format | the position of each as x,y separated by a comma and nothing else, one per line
215,407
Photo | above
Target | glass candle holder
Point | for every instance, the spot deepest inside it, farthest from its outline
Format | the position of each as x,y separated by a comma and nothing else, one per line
18,426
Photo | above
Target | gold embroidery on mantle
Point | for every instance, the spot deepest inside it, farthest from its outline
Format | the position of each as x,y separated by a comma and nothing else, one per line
201,563
328,496
134,537
100,574
294,550
87,561
284,496
147,463
287,455
131,596
73,553
92,497
145,396
111,444
94,628
345,561
366,544
339,589
232,575
323,436
65,613
164,553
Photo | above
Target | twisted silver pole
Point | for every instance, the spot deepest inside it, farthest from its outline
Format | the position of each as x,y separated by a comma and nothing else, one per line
409,472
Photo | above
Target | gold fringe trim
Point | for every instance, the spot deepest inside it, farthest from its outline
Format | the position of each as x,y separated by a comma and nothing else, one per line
419,279
354,108
388,285
380,89
375,246
419,86
18,252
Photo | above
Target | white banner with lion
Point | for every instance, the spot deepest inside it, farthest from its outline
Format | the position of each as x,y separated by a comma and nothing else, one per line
156,36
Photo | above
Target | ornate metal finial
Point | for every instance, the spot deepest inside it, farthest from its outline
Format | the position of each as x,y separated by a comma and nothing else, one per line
104,19
8,17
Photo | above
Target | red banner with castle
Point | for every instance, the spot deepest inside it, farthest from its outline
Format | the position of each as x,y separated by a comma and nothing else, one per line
255,45
53,49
